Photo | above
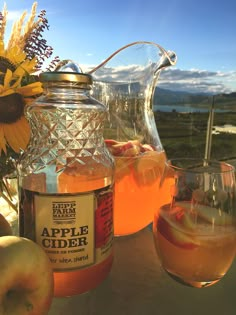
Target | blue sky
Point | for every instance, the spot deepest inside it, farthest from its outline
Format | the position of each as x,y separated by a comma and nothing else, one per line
202,33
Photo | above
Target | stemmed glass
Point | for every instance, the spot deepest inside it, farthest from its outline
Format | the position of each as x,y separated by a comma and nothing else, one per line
195,223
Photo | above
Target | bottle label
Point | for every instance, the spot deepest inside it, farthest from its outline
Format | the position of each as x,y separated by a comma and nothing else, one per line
76,231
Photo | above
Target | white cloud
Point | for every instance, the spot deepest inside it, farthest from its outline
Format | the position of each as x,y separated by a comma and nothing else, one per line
193,80
198,81
13,15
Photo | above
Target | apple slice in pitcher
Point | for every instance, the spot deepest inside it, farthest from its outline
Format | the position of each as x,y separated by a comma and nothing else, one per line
148,167
124,154
129,148
122,167
110,142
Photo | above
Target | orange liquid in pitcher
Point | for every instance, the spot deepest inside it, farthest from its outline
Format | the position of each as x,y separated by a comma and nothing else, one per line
137,176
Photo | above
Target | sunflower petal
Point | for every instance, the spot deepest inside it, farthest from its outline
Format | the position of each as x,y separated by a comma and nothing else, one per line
30,89
16,139
6,92
2,49
2,141
25,130
7,78
27,67
19,72
17,83
15,55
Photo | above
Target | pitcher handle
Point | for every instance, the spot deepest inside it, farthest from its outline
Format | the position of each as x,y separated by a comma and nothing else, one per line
168,58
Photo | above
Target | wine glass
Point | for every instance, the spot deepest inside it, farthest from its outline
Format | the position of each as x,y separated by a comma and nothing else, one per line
195,223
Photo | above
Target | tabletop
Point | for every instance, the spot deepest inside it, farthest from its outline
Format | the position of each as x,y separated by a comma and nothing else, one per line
137,285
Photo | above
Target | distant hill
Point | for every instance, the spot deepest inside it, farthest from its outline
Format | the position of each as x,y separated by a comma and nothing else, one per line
169,97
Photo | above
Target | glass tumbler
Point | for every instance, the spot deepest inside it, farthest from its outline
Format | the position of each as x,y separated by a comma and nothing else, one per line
195,224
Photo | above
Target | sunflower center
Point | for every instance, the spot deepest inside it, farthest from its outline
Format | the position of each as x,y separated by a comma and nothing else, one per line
11,108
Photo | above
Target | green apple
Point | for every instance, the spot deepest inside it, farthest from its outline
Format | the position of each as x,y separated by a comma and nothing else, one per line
26,286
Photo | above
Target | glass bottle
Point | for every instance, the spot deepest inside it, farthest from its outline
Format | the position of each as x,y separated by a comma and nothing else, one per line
66,183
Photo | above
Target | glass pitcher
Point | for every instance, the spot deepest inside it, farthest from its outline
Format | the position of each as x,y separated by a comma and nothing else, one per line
126,82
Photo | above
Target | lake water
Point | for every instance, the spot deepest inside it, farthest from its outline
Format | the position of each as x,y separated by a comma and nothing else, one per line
184,109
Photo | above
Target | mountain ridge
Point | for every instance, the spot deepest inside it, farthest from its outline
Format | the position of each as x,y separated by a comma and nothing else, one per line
169,97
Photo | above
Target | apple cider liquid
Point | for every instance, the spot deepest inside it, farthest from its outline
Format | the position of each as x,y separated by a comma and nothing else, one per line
66,183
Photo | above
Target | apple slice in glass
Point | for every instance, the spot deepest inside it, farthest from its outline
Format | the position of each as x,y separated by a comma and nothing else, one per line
209,214
176,230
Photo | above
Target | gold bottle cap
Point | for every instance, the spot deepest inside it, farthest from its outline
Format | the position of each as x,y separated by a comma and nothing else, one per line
58,76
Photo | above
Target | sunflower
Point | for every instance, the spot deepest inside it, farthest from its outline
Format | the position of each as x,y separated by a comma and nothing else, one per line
14,128
14,69
20,59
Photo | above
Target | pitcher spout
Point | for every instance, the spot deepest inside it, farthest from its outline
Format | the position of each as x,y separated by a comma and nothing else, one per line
167,59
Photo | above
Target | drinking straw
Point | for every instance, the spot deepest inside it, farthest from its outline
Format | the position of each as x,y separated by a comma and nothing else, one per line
209,130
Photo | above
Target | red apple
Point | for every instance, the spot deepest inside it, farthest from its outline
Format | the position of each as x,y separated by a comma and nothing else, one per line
5,228
26,285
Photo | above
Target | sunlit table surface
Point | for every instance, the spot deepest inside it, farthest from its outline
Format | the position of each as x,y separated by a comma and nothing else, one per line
137,285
